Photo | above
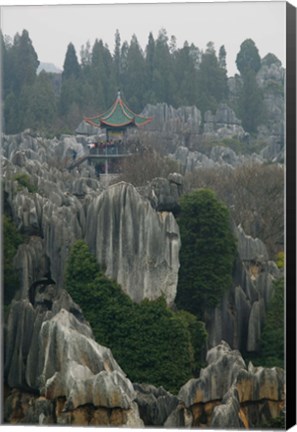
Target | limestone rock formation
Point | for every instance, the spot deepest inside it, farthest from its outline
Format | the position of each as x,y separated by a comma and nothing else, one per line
163,194
240,316
155,404
222,124
53,353
136,245
227,392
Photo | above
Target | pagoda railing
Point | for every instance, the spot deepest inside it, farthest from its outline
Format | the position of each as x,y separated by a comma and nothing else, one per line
109,149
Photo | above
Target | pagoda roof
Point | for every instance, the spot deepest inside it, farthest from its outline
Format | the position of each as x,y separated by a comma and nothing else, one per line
118,116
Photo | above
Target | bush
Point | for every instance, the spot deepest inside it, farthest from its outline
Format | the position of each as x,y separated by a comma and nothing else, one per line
24,180
207,253
273,335
11,241
150,342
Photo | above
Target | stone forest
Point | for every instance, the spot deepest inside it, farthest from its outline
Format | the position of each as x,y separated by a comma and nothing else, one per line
143,262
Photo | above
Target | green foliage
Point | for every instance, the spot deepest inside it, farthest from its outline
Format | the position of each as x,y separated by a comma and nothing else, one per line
212,81
280,262
71,68
11,241
234,144
24,181
273,335
150,342
270,59
250,107
248,58
161,72
207,253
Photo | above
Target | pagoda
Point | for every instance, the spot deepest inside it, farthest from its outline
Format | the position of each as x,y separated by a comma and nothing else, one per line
106,154
118,118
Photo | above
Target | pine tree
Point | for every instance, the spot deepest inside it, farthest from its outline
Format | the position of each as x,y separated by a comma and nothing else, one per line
250,107
248,58
212,81
71,68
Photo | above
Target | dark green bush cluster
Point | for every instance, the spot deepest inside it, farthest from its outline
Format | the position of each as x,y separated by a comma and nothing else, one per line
207,253
24,180
273,335
150,342
11,241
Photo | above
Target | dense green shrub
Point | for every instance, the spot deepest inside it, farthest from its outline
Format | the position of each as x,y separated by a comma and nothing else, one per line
273,335
207,253
24,180
150,342
11,240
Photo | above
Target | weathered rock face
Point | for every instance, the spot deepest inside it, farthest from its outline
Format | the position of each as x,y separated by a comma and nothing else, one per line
172,127
240,316
155,404
138,247
222,124
219,156
63,208
163,194
52,353
227,392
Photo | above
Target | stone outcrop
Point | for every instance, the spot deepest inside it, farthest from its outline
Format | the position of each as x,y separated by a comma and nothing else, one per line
222,124
50,352
219,156
137,246
172,127
62,207
227,392
155,404
240,316
163,194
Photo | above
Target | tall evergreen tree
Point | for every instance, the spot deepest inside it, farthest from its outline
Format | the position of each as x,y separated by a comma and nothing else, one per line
250,108
212,81
71,68
135,79
150,96
102,77
70,98
163,76
248,58
117,59
41,107
185,76
24,61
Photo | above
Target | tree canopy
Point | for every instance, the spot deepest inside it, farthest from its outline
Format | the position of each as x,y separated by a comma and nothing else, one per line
149,341
207,253
159,73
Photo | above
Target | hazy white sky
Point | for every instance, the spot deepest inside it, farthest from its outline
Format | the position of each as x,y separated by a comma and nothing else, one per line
53,27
